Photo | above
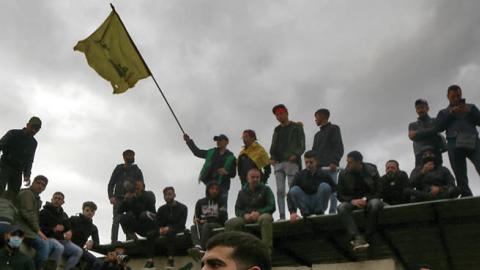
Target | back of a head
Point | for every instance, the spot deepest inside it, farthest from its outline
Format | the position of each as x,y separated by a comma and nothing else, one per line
248,250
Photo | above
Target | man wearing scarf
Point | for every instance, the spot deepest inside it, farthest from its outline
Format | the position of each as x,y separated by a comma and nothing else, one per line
253,155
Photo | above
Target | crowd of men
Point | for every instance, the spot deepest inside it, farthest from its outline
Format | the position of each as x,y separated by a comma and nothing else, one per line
303,192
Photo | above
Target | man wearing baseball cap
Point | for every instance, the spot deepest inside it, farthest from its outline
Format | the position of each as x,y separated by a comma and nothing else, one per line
10,256
18,150
423,133
220,163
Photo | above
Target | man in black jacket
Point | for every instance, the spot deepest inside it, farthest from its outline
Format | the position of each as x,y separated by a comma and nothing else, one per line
210,213
220,163
310,190
358,189
18,151
137,211
83,228
328,145
170,220
394,185
122,180
55,224
432,181
424,134
460,120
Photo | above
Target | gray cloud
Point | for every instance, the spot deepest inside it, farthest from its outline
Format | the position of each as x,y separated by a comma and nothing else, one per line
223,65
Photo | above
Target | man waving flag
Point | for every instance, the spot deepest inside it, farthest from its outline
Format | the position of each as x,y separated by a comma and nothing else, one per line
112,54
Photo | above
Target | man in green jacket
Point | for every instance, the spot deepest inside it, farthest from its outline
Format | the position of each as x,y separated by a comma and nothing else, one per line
10,256
255,204
288,145
28,207
219,166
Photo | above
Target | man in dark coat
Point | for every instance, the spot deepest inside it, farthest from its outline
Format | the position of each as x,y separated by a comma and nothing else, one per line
394,184
137,211
432,181
460,121
310,190
169,220
358,189
18,151
55,224
424,134
328,145
83,228
122,180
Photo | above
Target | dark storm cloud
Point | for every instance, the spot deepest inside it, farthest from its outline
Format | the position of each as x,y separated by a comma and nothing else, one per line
223,65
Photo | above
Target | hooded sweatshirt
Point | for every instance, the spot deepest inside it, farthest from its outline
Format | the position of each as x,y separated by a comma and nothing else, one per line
50,217
213,210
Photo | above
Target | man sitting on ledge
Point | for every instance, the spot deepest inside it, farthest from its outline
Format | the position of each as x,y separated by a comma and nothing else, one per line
358,189
170,220
255,204
310,190
432,181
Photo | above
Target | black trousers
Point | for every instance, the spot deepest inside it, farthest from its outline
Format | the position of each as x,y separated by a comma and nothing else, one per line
153,235
10,176
372,210
140,225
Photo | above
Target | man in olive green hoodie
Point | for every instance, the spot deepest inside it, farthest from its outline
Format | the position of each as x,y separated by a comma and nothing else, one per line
28,207
255,204
288,145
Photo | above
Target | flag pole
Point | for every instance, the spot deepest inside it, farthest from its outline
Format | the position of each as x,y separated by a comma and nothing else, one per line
148,69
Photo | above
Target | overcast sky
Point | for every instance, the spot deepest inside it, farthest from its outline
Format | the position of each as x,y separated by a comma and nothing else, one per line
223,65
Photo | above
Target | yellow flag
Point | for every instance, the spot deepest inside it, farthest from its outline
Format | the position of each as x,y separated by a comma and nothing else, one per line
112,54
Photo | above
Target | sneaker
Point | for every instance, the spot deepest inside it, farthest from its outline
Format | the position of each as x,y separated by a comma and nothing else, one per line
149,265
170,263
359,244
196,253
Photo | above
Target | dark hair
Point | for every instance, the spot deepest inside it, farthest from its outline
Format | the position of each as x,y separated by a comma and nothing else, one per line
128,151
453,87
90,205
167,189
59,193
310,154
41,178
324,112
420,101
250,133
279,106
355,155
394,161
248,250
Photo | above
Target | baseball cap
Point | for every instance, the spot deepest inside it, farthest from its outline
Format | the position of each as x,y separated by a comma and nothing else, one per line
220,137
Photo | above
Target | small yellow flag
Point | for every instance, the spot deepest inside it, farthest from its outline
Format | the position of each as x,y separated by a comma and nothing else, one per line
111,53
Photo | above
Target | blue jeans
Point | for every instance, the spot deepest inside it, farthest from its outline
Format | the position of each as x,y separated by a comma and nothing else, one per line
41,250
458,161
72,252
311,204
55,249
333,197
